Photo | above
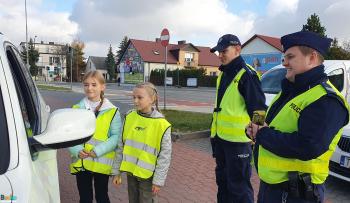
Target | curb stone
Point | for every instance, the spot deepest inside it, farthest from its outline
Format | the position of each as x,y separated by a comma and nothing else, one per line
191,135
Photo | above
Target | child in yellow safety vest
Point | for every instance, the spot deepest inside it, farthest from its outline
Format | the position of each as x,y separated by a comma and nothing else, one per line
145,147
92,162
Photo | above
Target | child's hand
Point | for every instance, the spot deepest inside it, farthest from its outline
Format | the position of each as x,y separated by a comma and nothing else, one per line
92,154
155,189
117,180
83,154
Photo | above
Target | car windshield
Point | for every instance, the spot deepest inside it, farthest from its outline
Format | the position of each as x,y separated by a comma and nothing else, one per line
271,81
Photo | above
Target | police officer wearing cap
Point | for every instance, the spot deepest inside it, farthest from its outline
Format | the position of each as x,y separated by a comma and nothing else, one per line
303,125
238,94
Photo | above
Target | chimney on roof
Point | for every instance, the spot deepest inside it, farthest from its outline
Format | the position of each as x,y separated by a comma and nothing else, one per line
157,39
181,42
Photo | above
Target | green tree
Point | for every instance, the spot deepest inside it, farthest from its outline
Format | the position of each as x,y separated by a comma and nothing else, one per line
78,67
122,46
110,63
336,52
314,24
33,57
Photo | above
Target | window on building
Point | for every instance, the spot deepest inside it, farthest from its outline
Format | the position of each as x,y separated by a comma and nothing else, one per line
188,57
54,60
212,73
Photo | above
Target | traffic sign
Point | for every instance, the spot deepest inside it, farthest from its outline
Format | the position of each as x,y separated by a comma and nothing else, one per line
164,37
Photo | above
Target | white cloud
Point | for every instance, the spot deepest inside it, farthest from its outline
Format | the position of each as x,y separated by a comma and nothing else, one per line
200,22
332,13
46,25
275,7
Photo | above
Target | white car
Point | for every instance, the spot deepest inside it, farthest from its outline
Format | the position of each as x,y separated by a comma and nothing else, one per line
29,134
338,73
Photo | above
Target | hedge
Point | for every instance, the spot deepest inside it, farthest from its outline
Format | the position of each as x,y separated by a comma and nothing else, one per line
180,77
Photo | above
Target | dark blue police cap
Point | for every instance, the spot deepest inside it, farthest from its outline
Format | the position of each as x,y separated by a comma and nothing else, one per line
225,41
306,38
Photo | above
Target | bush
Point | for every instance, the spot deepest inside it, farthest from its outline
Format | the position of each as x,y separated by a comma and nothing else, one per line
180,77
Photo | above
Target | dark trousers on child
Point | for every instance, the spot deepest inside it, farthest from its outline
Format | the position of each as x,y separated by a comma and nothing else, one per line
140,190
86,180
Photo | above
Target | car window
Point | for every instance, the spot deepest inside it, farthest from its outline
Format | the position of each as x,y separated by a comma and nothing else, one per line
4,139
336,77
26,93
271,81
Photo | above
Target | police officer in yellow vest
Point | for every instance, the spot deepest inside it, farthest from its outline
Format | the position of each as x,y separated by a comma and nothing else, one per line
238,95
303,125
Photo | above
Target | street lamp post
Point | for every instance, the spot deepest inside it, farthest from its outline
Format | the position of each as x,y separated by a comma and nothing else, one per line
34,40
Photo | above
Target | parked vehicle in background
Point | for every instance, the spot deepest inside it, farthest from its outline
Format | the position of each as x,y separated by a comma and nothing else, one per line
29,134
338,73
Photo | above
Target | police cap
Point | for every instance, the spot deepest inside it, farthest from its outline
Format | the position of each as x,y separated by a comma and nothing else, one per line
306,38
225,41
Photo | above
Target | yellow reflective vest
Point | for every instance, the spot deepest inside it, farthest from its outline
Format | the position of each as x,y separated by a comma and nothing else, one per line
274,169
104,163
230,121
142,137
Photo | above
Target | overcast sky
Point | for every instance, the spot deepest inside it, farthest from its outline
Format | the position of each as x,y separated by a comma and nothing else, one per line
99,23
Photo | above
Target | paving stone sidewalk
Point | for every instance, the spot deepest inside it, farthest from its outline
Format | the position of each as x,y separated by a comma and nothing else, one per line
190,179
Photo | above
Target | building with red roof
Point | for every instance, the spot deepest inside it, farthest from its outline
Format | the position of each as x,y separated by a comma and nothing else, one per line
141,57
262,52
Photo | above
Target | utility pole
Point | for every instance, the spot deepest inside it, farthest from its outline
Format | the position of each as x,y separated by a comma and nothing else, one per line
71,67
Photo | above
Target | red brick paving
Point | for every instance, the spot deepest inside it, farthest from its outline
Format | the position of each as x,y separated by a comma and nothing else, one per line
191,178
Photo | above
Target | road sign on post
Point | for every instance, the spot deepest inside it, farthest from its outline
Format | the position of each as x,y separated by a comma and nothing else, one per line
164,40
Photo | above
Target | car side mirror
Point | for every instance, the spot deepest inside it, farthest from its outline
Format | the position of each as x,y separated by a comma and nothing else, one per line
65,128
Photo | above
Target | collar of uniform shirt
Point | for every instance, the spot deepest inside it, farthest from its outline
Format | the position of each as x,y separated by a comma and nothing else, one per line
233,66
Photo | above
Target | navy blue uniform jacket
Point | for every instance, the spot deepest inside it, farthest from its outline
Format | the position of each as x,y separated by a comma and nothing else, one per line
318,123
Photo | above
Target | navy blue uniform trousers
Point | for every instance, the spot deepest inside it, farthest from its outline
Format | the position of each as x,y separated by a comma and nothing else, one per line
233,171
267,194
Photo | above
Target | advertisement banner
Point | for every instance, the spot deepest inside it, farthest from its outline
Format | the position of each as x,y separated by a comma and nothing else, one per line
263,62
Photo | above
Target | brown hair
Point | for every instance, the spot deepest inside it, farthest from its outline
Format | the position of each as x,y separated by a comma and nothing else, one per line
151,90
307,50
100,79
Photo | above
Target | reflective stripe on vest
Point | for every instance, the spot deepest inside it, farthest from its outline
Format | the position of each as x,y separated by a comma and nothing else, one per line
229,123
274,169
142,137
102,164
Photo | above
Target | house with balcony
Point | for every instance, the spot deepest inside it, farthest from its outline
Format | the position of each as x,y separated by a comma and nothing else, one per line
141,57
52,60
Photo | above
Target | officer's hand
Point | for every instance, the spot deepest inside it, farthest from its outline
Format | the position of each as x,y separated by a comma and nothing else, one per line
155,189
83,154
249,131
252,129
117,180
